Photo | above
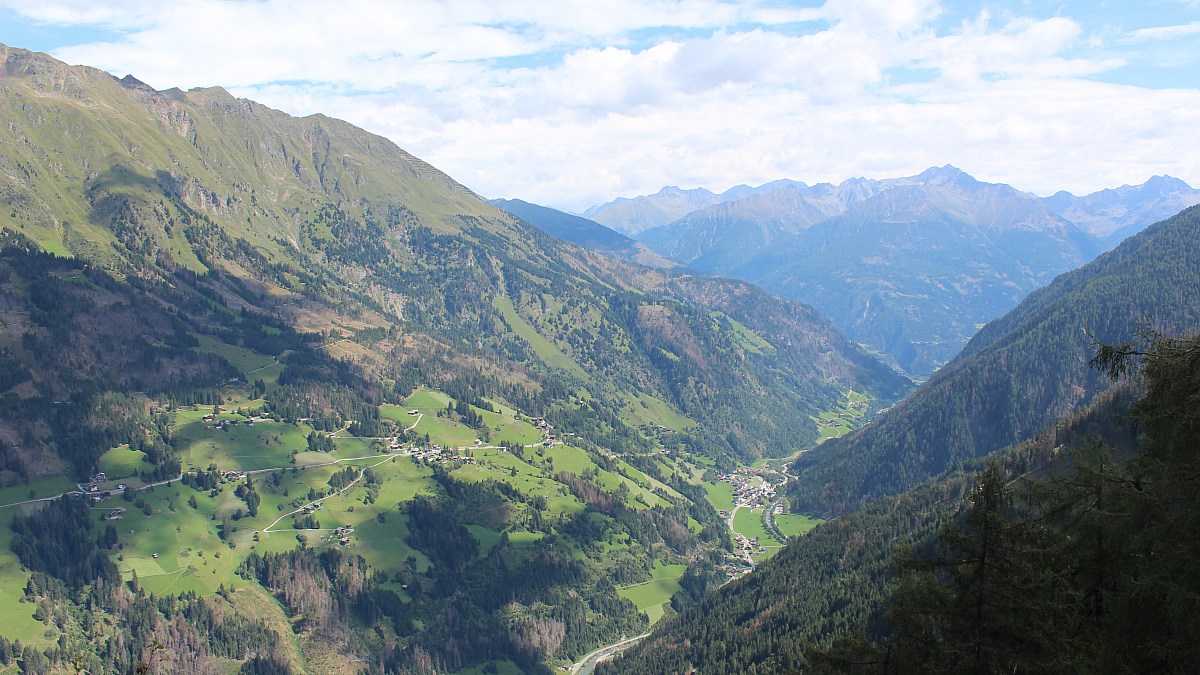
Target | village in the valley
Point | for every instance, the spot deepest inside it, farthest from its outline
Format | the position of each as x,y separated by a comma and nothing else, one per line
751,490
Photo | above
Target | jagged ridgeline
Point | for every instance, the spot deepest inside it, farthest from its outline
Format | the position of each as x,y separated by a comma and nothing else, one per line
1020,373
334,229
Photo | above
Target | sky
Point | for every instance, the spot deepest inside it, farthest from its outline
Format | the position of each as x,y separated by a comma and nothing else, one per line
572,103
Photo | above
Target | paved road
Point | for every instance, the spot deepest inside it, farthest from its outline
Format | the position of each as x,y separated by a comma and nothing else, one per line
588,664
769,513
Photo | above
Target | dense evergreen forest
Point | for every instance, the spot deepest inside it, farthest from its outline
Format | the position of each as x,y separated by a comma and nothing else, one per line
1089,571
1068,553
355,419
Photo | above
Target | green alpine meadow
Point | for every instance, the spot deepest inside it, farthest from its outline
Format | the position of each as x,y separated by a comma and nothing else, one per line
279,371
604,338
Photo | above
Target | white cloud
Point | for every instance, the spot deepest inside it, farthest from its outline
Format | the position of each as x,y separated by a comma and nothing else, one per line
1162,33
572,103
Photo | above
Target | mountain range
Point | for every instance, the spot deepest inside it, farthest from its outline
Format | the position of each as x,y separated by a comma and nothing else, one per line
909,266
278,396
1021,391
633,216
268,328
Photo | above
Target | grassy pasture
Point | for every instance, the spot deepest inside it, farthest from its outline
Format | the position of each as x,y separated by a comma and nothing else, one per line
441,430
39,487
644,409
793,524
121,462
191,557
651,596
545,350
843,419
487,538
265,445
245,360
720,495
747,339
16,616
749,523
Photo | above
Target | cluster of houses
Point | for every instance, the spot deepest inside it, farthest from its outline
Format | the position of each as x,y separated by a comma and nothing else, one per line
342,534
438,455
315,506
224,425
844,417
547,429
733,567
748,546
829,424
98,494
749,489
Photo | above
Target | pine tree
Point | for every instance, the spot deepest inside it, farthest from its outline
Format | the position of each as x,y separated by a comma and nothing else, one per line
1155,625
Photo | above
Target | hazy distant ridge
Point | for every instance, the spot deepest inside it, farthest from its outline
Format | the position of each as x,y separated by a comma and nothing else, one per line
909,266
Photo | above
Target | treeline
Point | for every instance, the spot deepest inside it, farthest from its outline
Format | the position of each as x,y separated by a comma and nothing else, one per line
832,582
1088,572
107,626
58,540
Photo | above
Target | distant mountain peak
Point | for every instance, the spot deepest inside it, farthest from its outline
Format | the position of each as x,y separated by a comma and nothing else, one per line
1117,213
131,82
1164,184
944,170
946,175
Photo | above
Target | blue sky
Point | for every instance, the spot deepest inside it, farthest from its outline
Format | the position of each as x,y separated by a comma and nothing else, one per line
573,103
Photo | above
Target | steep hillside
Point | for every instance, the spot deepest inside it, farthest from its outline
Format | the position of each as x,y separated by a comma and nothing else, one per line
337,230
1018,374
830,583
583,232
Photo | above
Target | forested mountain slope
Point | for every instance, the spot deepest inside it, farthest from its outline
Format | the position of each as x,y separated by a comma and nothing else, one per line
1082,571
1018,374
831,582
333,229
382,421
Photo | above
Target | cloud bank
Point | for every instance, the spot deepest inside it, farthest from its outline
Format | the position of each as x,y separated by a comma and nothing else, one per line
572,103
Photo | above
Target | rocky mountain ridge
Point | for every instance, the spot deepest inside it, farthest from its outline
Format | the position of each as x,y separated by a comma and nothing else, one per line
909,266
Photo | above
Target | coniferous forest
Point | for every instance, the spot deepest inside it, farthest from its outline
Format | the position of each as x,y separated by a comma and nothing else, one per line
1070,553
277,396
